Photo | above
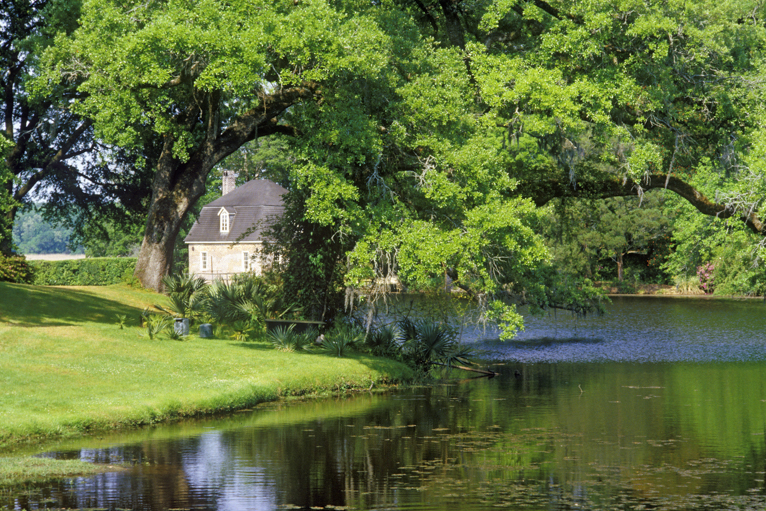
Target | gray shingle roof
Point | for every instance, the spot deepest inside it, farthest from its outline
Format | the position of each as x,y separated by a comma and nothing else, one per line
255,205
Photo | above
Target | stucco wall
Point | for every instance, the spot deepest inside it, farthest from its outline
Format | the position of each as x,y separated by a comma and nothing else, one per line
224,259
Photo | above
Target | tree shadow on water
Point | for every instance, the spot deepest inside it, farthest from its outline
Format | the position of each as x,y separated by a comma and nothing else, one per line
31,306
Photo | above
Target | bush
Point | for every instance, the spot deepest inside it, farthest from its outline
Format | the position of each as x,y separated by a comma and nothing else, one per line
102,271
16,269
342,338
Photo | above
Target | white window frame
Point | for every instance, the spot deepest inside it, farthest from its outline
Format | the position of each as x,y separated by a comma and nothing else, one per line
246,266
224,221
203,261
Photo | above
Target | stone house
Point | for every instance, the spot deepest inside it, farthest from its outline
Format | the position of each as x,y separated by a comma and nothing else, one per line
227,238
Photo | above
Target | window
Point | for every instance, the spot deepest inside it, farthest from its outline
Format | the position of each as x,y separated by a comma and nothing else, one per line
224,221
246,261
203,260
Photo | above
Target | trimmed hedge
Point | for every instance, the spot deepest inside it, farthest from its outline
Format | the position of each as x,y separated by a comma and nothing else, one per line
16,269
97,271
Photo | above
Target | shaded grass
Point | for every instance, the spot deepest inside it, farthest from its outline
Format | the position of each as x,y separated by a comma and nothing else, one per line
66,368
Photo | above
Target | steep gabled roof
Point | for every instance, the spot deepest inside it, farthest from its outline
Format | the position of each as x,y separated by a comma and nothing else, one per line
253,206
258,192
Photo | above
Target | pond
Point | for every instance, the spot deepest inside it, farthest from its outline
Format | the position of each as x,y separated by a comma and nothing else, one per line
661,404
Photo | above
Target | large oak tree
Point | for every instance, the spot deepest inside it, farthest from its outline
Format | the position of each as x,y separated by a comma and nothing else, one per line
429,131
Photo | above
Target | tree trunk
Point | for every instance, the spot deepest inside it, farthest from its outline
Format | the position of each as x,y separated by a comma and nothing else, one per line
155,259
6,223
175,189
6,238
619,267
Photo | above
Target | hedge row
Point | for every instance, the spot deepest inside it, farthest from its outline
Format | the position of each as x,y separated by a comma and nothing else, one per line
100,271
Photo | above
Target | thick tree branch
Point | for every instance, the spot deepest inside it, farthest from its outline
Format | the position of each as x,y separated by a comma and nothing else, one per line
606,185
428,15
248,125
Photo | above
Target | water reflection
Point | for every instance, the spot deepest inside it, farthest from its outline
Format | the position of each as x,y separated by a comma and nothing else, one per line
600,434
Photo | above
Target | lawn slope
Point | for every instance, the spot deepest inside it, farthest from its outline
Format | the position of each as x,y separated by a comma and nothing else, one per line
67,368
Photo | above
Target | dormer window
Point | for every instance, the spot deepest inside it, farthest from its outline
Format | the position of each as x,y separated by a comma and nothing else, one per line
224,220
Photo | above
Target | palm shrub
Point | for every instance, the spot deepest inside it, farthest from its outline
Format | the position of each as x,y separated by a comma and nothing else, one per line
156,324
185,296
286,339
426,344
220,304
246,298
306,340
382,341
342,338
283,338
241,330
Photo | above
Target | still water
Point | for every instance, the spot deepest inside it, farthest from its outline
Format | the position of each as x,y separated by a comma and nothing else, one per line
661,404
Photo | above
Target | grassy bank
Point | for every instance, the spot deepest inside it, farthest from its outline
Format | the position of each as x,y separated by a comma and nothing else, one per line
15,471
66,367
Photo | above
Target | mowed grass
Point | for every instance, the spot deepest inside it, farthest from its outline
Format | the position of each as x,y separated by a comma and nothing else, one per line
66,368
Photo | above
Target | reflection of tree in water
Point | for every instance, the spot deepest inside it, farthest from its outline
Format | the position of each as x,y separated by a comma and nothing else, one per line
629,439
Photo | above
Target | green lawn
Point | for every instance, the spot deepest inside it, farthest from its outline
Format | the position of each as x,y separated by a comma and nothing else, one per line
67,368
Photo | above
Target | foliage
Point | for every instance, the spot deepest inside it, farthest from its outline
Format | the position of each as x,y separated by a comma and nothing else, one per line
426,137
33,234
45,137
688,285
706,277
83,272
426,344
383,341
725,244
283,338
157,324
585,235
312,266
7,201
185,296
17,269
242,330
105,237
286,339
342,338
248,298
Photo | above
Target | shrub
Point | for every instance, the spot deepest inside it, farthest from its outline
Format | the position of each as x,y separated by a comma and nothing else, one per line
706,275
383,341
16,269
156,324
425,344
186,295
342,338
102,271
283,338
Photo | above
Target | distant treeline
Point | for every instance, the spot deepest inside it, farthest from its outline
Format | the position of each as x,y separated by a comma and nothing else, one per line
33,234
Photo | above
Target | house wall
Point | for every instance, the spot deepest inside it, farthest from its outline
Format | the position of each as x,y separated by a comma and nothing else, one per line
225,260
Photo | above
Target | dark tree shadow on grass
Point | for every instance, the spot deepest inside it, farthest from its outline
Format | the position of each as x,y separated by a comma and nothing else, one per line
253,345
31,306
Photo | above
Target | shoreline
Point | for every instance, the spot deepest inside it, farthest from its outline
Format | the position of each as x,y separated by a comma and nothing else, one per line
70,368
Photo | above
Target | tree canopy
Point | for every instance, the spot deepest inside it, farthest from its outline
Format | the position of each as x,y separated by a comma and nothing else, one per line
425,136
